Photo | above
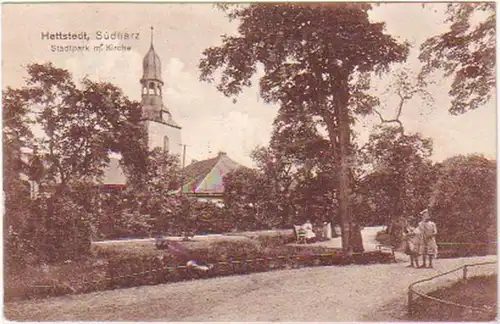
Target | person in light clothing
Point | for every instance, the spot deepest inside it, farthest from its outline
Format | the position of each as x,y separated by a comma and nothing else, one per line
327,230
180,251
310,235
413,242
429,231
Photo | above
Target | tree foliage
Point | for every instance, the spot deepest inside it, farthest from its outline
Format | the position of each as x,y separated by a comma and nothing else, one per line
151,204
244,197
315,59
463,201
279,192
78,125
401,173
466,52
77,151
261,198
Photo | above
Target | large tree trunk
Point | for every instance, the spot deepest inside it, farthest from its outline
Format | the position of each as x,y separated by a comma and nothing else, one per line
344,185
398,219
351,234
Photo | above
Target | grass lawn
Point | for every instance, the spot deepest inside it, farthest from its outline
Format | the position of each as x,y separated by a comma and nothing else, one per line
148,247
122,264
116,265
476,292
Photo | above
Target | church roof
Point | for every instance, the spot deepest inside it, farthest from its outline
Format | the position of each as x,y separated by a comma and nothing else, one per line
151,64
206,177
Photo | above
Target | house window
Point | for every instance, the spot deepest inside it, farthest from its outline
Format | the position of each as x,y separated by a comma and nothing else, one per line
165,144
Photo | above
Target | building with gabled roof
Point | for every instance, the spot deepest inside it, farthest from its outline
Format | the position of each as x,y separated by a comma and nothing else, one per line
204,179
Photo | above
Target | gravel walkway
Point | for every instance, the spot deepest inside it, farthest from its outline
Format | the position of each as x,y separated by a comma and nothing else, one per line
337,293
349,293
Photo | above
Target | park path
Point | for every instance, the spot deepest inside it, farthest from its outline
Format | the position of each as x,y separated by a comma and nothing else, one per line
369,234
369,242
336,293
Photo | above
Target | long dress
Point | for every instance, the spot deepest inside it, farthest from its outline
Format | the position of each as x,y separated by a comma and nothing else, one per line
429,231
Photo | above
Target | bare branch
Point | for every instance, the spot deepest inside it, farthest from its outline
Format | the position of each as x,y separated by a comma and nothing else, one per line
388,121
400,108
396,119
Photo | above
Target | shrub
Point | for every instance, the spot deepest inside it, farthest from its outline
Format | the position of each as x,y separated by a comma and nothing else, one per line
66,228
278,238
53,229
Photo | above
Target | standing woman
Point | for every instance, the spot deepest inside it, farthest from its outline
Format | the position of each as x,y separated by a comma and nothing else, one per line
429,231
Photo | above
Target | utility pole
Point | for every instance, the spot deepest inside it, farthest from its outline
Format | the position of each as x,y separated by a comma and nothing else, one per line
183,156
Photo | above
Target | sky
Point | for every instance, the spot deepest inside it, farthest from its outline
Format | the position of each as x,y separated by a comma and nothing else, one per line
211,122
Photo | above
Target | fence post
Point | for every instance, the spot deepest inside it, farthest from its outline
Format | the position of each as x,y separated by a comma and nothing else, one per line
465,273
410,301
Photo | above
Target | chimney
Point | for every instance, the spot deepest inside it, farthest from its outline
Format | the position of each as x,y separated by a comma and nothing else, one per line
221,153
193,161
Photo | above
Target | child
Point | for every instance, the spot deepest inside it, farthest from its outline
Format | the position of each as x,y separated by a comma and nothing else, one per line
413,240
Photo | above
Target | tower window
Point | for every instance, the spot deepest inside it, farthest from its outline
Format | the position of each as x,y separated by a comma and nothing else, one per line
166,144
152,88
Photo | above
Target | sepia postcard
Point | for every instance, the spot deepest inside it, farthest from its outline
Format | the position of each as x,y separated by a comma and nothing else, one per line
243,162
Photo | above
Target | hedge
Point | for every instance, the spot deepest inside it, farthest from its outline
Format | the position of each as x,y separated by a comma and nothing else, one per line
113,270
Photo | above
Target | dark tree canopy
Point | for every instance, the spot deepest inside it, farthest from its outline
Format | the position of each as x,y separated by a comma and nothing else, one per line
316,58
302,48
81,125
466,53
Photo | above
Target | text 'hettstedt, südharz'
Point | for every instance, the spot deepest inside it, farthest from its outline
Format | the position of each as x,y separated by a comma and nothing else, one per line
98,35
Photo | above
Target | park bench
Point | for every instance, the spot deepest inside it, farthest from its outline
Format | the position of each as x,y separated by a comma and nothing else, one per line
300,234
388,250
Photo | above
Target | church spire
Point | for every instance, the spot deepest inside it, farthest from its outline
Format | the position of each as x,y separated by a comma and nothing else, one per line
151,65
151,37
152,97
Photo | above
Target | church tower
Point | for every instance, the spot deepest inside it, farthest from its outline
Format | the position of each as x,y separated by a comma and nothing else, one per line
162,130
